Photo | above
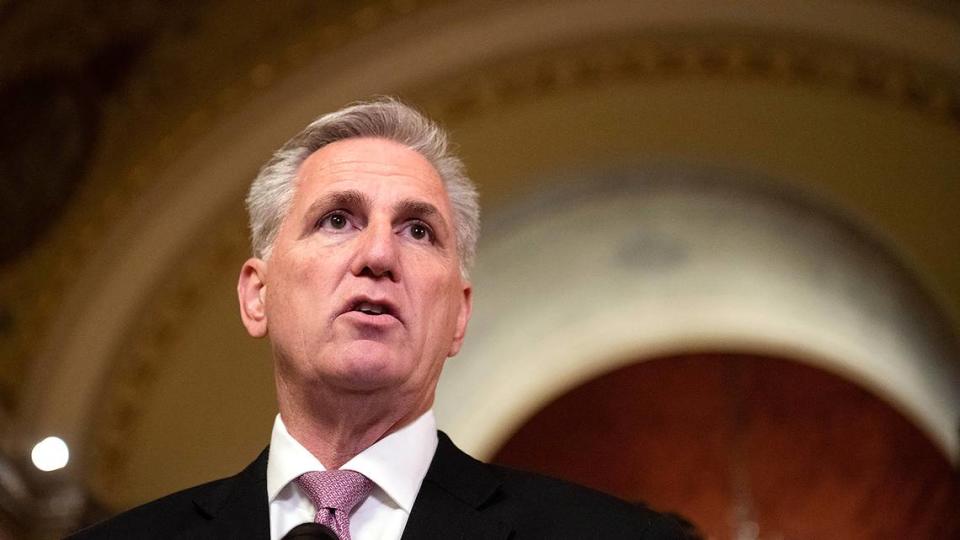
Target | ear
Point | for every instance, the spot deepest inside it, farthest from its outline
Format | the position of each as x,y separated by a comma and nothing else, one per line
463,317
251,291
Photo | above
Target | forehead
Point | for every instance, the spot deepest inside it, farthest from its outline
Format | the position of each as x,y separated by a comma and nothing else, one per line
377,167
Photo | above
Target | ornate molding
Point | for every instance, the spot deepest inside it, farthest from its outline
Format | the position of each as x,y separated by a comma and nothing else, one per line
710,54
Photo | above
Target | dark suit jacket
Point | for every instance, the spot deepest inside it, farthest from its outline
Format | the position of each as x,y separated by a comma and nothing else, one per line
460,498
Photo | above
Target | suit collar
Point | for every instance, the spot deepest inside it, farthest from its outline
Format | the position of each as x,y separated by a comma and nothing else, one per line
452,499
238,506
463,477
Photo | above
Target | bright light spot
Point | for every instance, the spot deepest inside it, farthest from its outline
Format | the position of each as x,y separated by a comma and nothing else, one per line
50,454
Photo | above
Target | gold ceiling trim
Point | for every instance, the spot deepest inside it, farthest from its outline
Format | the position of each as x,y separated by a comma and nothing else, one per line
711,54
637,59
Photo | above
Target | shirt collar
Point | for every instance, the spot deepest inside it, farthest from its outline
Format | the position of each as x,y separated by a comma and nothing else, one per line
396,463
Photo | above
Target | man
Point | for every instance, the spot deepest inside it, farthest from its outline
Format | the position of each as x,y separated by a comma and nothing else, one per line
363,229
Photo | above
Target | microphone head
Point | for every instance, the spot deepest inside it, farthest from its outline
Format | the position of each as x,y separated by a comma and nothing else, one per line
311,531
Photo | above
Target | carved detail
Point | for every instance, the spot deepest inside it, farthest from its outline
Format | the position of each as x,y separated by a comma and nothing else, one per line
925,89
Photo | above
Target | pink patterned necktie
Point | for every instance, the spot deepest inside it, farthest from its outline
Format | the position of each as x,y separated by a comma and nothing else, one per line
334,494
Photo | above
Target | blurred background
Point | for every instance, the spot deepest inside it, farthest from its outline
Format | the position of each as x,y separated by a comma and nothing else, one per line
719,270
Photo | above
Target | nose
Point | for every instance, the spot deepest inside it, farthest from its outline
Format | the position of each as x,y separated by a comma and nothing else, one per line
376,255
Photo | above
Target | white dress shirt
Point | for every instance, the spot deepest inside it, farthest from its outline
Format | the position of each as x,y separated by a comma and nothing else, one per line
396,463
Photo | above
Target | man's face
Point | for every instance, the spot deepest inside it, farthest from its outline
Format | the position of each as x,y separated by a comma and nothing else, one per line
362,291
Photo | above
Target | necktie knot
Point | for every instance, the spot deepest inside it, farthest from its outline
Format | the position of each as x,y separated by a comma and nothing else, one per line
334,494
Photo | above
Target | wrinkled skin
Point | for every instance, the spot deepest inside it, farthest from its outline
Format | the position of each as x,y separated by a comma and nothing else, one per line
370,227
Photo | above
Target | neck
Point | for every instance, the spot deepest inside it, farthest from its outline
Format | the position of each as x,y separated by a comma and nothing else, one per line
336,426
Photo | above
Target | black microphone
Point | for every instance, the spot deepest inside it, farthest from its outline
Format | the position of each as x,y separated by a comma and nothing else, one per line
311,531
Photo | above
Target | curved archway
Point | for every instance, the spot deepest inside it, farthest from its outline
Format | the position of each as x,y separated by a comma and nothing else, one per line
587,85
639,264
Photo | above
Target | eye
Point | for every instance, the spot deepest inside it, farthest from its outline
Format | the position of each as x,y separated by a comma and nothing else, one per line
420,231
336,221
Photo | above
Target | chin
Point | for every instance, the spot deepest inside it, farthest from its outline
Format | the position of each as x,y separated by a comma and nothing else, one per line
370,367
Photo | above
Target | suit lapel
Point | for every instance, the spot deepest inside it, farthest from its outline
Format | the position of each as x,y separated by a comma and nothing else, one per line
238,507
451,499
450,504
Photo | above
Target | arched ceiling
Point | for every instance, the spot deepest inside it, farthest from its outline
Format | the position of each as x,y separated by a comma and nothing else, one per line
118,294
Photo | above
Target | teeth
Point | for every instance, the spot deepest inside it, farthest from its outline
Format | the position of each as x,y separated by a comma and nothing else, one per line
371,309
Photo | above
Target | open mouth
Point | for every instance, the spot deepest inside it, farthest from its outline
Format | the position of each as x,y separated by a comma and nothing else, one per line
379,307
371,308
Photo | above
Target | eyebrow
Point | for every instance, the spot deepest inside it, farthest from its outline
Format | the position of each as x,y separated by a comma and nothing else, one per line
410,207
351,199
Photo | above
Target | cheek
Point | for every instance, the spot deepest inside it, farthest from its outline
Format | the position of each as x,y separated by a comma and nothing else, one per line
444,308
289,287
302,274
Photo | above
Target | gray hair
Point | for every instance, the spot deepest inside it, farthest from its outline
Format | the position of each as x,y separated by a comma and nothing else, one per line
271,193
